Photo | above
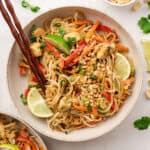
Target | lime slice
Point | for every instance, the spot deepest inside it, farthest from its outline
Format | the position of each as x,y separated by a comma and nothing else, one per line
122,66
37,104
146,48
9,147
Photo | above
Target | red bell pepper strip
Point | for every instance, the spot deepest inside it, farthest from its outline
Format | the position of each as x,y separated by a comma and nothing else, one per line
26,93
104,28
41,68
34,79
28,141
50,47
23,71
107,96
74,55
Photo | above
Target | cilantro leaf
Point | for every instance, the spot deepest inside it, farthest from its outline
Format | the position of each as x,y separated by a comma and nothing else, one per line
62,31
25,4
24,100
144,24
142,123
71,41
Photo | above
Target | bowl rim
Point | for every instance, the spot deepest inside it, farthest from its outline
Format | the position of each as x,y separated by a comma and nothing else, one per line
119,5
33,132
138,90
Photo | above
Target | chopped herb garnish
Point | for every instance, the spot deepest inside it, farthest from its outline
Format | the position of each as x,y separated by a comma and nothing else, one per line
87,104
93,76
56,24
142,123
24,100
94,66
144,24
63,83
148,5
33,28
35,8
81,70
25,4
108,48
72,78
62,31
38,86
43,45
33,39
71,41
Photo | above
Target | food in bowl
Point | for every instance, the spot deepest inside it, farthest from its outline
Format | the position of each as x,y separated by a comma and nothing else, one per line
120,1
89,73
14,135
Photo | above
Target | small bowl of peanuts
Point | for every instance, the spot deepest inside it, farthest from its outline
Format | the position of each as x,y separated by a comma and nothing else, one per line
120,3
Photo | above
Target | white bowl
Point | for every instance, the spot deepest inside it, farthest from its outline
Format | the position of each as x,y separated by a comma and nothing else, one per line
17,84
32,132
120,5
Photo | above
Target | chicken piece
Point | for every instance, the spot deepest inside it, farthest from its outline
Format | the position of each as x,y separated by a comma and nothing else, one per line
35,48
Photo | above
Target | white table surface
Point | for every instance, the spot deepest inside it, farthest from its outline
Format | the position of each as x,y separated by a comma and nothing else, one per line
123,137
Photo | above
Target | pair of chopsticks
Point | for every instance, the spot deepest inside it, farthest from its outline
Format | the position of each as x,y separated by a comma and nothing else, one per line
21,39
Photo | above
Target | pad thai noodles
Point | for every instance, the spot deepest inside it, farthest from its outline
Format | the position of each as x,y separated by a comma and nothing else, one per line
78,58
14,135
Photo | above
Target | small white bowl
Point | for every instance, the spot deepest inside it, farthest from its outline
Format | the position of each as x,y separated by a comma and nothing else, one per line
119,5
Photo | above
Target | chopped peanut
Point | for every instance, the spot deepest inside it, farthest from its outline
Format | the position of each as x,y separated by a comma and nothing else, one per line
147,93
136,5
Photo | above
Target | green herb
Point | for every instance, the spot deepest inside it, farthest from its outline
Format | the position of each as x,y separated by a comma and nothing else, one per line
43,45
72,78
38,86
142,123
35,8
56,24
94,66
93,76
24,100
144,24
87,104
33,28
63,83
25,4
148,5
108,48
62,31
81,70
33,39
71,41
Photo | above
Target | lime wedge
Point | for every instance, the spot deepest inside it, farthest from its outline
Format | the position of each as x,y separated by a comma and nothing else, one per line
146,48
122,66
37,104
9,147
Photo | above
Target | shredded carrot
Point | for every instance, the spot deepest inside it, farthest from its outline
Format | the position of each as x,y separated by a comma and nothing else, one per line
99,39
128,81
81,22
80,108
122,48
95,111
91,31
23,71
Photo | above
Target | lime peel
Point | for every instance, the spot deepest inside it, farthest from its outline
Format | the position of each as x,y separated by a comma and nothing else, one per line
146,49
122,66
9,147
37,104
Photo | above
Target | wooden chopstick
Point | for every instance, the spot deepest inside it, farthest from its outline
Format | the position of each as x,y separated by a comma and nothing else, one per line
22,40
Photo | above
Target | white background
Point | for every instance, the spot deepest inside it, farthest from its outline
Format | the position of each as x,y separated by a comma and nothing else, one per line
124,137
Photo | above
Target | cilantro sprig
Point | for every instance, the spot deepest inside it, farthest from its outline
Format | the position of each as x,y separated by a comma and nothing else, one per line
25,4
144,24
142,123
